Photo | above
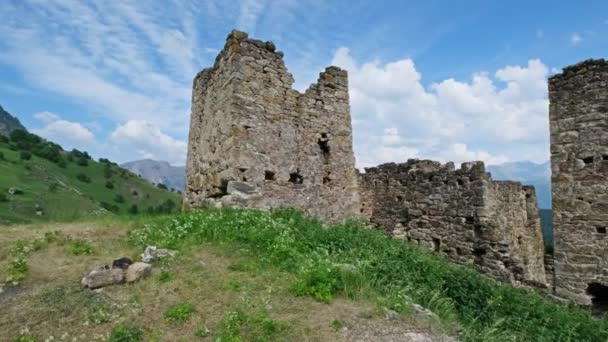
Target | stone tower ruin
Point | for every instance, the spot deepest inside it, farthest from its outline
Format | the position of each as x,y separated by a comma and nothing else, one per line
254,141
461,214
578,114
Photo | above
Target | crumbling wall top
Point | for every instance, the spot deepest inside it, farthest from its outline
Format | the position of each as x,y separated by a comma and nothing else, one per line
426,165
578,68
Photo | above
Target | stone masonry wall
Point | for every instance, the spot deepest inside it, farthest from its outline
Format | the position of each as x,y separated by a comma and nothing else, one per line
578,114
461,214
254,141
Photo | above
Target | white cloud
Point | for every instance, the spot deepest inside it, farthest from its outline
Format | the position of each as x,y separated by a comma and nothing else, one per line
495,118
148,141
248,14
575,39
123,60
540,34
66,133
461,152
46,117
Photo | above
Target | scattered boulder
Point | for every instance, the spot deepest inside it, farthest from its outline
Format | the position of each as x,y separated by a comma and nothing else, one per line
15,191
390,314
103,277
152,253
137,271
122,263
423,312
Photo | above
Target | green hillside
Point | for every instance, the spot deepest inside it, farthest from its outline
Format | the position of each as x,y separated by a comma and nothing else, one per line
59,186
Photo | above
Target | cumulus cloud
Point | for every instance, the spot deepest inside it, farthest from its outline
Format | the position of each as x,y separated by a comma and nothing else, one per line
148,141
46,117
575,39
495,118
66,133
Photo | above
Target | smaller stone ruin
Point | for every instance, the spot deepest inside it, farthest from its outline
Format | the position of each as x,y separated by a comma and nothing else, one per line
462,214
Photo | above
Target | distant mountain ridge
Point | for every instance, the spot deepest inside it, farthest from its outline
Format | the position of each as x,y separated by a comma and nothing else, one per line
528,173
158,172
9,123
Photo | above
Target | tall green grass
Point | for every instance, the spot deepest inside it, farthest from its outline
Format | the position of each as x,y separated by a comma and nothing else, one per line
346,258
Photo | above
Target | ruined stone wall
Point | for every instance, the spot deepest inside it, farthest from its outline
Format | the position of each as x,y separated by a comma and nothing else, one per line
254,141
461,214
578,115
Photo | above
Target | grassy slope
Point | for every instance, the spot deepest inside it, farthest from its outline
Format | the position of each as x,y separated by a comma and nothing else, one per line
254,274
348,259
72,198
233,296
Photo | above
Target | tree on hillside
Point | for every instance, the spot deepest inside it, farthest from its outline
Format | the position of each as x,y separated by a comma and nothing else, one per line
25,155
119,199
109,185
167,207
107,171
83,178
161,186
110,207
28,142
1,156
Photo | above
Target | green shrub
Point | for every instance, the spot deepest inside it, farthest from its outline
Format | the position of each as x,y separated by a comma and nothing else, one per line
25,155
3,197
53,187
110,207
83,178
79,247
119,198
109,185
238,326
337,324
201,331
3,139
126,333
319,282
98,311
2,156
230,327
133,210
82,161
62,163
107,171
25,338
167,207
179,312
17,269
165,276
161,186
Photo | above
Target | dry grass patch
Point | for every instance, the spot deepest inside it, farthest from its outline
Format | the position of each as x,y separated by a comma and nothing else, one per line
226,293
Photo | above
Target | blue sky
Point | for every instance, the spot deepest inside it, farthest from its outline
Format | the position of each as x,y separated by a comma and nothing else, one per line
446,80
